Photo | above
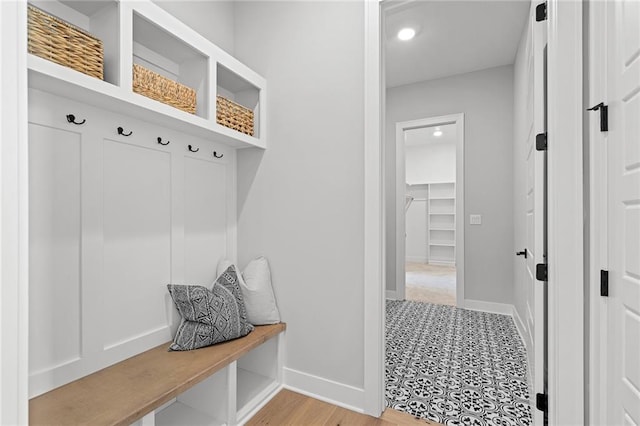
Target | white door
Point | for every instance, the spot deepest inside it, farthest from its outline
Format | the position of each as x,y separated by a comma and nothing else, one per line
534,197
623,153
536,214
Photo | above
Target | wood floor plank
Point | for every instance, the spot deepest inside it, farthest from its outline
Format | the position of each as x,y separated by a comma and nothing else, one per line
399,418
344,417
313,413
293,409
278,410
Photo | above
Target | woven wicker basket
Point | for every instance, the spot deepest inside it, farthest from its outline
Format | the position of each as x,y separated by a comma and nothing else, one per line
60,42
234,116
155,86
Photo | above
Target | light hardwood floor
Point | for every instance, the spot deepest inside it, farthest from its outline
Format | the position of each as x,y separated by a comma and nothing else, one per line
291,408
431,283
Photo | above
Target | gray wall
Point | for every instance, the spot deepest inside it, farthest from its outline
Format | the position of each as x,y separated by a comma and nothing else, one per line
486,99
301,202
214,20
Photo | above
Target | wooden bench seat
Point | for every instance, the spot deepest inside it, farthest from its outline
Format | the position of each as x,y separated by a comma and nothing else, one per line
127,391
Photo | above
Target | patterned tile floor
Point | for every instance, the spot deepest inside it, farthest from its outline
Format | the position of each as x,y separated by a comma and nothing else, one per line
455,366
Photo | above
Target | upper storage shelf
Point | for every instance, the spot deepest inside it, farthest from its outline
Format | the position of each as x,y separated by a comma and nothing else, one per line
141,33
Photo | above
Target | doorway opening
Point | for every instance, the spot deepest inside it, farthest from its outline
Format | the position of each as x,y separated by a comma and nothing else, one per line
429,205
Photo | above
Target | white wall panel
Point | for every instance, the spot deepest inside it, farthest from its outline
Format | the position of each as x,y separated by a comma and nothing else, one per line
137,240
205,221
114,220
54,255
631,112
632,245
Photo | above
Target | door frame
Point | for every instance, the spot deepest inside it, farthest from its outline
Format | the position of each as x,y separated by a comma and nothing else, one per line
596,189
400,183
14,219
374,246
566,250
566,319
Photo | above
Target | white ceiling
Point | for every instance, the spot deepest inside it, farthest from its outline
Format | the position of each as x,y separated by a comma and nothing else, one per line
453,37
424,135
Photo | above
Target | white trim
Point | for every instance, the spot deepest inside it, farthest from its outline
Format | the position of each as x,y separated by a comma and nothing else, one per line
565,214
537,332
524,335
326,390
443,263
373,396
392,295
265,397
400,180
401,215
490,307
14,214
598,223
522,330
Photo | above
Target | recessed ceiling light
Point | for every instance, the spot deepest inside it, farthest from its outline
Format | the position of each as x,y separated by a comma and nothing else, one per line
438,132
406,34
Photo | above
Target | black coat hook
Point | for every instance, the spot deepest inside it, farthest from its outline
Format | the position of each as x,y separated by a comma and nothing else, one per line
72,119
163,143
121,132
193,150
215,155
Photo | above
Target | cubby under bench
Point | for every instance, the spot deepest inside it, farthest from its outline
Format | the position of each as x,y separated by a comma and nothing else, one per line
222,384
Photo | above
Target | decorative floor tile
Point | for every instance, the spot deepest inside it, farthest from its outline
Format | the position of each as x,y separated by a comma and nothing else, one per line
455,366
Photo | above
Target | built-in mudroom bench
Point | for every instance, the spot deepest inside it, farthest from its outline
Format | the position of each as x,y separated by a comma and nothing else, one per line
218,385
133,186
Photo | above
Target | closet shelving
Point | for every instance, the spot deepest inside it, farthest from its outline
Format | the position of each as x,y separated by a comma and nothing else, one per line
441,223
141,32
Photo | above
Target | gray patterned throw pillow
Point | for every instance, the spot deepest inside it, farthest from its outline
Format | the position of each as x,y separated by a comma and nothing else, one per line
209,316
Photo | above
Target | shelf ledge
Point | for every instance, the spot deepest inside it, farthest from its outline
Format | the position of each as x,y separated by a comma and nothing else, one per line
62,81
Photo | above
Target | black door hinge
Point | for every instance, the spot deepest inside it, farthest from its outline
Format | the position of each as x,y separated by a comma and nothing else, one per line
604,115
542,402
604,283
541,142
541,12
542,272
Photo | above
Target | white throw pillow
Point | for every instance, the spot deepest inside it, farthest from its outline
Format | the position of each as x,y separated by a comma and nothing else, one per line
257,291
223,265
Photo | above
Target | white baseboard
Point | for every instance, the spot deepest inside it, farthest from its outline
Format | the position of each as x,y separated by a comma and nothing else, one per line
392,295
491,307
326,390
522,330
442,262
416,259
525,337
